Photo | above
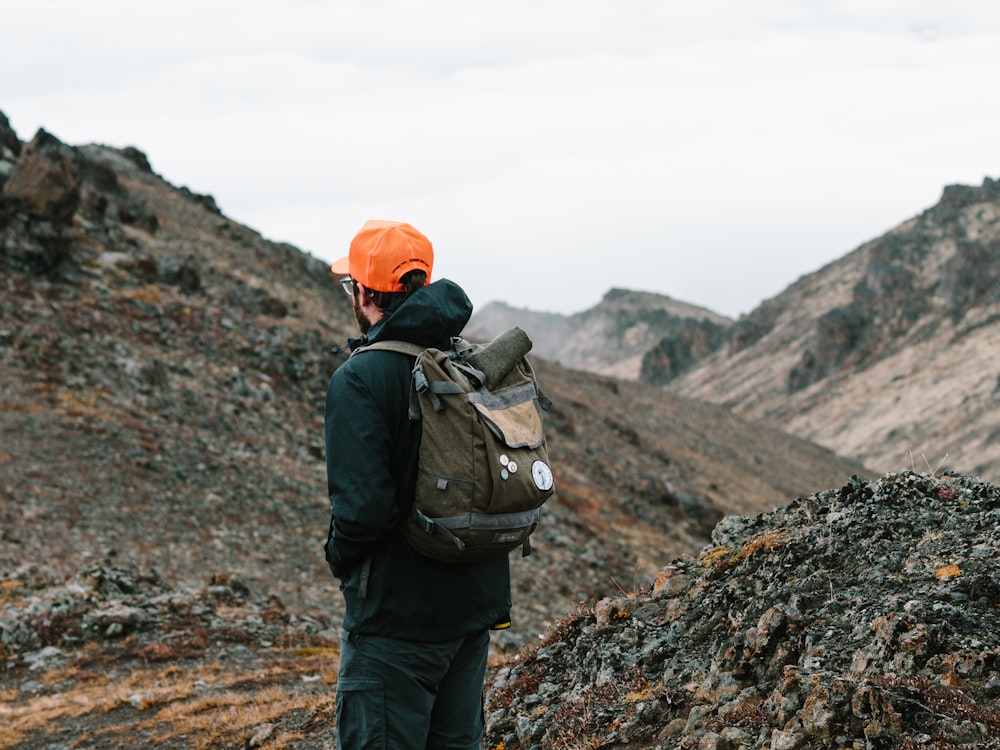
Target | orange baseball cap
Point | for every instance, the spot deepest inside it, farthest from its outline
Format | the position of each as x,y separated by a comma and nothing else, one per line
382,252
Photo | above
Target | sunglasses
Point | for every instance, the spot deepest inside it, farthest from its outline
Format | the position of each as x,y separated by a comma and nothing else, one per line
349,285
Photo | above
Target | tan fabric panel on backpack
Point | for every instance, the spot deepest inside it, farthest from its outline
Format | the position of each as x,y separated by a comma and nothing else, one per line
518,426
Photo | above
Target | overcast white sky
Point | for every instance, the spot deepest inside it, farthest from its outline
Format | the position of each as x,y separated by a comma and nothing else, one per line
713,151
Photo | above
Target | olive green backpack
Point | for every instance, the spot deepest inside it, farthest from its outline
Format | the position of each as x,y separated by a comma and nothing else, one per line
483,468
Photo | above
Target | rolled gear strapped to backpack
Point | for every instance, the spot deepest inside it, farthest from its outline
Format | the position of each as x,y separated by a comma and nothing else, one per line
483,466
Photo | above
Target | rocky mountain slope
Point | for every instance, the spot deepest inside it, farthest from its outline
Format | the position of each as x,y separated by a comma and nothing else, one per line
891,352
864,617
890,355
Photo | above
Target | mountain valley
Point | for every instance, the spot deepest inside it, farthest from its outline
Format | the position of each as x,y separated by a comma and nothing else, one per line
162,507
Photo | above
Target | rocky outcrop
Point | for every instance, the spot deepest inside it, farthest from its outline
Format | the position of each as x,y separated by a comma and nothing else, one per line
862,617
46,179
689,341
54,196
37,203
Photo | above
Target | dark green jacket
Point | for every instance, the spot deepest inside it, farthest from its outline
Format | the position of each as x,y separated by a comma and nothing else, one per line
371,460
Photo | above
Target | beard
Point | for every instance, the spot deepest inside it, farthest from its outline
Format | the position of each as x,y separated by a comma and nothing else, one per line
363,323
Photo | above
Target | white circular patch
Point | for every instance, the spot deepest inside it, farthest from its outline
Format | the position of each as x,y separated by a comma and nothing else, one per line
542,474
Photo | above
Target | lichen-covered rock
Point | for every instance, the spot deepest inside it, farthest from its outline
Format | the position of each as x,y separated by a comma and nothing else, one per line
862,617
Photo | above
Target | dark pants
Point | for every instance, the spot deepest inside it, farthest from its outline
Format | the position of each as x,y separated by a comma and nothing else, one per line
400,695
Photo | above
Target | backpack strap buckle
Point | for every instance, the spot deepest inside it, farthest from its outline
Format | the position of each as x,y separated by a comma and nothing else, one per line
460,346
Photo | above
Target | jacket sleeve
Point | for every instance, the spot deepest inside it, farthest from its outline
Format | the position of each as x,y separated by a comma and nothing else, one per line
359,450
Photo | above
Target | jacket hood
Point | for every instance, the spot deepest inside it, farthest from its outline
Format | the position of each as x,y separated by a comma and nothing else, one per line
430,316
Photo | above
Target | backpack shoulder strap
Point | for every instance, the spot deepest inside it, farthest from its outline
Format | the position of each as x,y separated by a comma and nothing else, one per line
403,347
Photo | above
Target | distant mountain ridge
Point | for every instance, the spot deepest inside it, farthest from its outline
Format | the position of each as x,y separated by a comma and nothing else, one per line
614,337
890,355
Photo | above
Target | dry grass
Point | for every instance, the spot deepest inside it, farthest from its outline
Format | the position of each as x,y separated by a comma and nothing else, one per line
938,700
584,722
750,715
724,558
209,721
203,705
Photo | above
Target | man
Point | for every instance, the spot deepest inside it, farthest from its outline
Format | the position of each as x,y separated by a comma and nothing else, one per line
416,631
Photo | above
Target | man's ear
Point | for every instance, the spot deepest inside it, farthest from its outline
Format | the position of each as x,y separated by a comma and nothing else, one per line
366,304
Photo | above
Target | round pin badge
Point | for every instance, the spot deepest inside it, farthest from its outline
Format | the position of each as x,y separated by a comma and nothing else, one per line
504,474
503,459
542,475
512,467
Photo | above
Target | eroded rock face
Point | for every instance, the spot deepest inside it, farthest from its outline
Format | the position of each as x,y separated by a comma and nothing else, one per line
864,617
38,199
56,199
